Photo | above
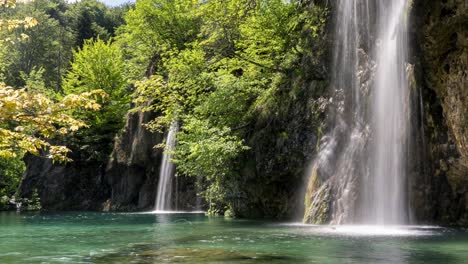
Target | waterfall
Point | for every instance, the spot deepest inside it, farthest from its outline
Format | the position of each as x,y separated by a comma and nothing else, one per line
361,158
166,172
389,117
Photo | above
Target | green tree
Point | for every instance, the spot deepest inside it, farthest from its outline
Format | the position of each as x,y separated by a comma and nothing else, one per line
99,65
154,28
61,28
30,120
91,19
47,45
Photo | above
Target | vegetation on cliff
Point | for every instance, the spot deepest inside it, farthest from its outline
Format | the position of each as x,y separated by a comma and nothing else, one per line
217,68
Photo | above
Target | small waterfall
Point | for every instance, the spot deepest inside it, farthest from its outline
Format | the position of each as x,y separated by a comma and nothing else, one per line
166,172
361,159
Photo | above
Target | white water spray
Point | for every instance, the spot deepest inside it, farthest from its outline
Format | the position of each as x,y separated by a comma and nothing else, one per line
363,155
387,204
164,194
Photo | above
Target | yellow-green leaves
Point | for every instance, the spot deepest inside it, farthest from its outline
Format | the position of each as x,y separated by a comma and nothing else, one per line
97,65
30,120
28,22
8,3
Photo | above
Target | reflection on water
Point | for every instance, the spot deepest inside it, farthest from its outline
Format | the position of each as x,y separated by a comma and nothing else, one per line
195,238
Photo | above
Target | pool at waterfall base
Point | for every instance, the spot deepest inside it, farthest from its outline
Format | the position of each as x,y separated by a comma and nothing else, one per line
94,237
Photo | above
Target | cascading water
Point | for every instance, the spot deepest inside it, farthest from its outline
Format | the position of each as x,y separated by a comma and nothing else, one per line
387,203
360,169
166,172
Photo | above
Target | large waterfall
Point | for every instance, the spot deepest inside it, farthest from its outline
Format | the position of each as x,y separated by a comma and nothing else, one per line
359,174
386,204
166,172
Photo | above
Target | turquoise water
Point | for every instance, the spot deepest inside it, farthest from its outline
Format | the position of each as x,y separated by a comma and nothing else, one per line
78,237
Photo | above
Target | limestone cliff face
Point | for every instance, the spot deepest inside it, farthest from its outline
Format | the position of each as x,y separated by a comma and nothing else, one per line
440,37
284,133
282,146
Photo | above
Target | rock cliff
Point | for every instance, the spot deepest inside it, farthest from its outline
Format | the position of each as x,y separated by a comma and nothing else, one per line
440,37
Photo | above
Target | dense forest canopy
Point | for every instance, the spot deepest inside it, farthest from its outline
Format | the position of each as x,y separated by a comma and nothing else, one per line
212,66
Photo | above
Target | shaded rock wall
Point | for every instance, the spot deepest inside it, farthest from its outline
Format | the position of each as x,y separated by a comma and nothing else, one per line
440,39
284,135
282,146
133,168
74,186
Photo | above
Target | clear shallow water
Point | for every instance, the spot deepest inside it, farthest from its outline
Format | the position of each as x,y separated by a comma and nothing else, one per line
195,238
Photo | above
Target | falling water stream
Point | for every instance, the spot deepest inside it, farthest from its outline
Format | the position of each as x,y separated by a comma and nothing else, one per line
362,156
166,172
389,117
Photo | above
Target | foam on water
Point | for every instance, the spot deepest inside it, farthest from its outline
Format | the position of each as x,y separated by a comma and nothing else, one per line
370,230
172,212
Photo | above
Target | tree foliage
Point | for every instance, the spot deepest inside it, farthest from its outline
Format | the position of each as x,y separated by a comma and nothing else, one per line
58,29
215,71
215,66
99,65
30,119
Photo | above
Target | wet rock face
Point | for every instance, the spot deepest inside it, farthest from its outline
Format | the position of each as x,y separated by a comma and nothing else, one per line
440,47
282,146
317,199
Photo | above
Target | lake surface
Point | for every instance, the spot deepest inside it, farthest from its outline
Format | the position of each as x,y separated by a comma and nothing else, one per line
78,237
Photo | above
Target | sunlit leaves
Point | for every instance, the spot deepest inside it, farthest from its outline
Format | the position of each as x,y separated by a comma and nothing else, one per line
206,150
8,3
28,22
36,119
98,65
